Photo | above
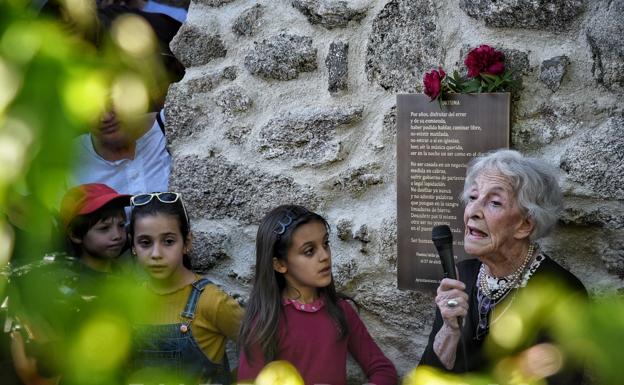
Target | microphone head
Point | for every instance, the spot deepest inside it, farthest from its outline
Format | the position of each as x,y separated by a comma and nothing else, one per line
443,241
441,234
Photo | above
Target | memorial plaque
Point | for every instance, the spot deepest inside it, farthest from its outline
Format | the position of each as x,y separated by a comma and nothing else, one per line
434,145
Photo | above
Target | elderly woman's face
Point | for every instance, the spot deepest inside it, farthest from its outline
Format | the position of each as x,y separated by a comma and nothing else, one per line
494,222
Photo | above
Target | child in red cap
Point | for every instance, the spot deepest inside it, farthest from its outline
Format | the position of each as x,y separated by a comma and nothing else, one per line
93,218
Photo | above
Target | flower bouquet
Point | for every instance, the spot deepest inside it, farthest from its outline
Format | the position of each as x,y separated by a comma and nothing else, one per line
486,73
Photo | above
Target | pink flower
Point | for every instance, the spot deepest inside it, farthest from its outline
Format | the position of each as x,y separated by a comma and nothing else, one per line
433,82
484,59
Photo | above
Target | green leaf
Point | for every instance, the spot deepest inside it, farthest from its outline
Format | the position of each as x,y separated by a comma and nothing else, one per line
489,77
489,81
455,84
472,88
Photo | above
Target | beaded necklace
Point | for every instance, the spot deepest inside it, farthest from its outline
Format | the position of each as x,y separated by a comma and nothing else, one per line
508,283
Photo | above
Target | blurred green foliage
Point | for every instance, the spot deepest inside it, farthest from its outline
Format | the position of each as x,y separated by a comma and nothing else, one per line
55,82
595,335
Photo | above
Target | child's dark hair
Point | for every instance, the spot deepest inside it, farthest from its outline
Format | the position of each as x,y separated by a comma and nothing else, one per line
80,225
274,237
156,207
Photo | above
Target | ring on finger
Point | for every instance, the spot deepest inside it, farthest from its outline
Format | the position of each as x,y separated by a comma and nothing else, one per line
452,303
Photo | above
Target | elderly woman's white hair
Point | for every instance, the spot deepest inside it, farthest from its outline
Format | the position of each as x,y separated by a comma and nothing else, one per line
534,182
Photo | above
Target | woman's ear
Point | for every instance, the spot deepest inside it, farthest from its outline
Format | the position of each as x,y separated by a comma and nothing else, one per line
526,227
279,266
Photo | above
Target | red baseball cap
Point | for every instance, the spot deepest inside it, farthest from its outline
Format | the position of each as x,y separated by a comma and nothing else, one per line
88,198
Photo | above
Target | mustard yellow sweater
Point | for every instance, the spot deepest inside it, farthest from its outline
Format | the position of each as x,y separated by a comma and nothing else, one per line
217,316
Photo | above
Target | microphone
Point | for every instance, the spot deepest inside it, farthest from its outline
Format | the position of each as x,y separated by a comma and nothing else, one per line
443,241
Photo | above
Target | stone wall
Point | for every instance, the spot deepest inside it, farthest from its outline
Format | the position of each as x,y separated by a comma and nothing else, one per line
294,101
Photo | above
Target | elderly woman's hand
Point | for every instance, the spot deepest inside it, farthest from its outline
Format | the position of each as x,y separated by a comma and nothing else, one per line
452,302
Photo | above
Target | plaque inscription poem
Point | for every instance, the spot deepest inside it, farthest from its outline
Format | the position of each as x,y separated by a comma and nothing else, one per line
434,145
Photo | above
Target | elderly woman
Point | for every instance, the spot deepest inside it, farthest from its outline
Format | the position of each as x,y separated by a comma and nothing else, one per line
511,201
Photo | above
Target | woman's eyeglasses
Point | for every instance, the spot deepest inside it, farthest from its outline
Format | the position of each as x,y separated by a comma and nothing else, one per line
164,197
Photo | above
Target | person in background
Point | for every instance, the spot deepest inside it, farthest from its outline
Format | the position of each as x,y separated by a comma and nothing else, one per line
294,312
183,337
129,154
93,218
165,21
511,201
130,158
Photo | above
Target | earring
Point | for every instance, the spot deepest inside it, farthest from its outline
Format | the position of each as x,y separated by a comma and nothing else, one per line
133,251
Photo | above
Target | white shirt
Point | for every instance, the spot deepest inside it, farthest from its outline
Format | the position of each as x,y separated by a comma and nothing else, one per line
147,172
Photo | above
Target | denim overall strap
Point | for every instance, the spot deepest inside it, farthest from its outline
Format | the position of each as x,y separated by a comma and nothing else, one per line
191,303
171,350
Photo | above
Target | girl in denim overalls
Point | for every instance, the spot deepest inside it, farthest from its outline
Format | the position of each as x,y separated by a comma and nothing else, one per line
182,338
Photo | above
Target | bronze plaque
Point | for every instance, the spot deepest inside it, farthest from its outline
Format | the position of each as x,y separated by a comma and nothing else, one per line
434,145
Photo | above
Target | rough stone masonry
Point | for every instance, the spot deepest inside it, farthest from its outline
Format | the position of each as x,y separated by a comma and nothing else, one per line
294,101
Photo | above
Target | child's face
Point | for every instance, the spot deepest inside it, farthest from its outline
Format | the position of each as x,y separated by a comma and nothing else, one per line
159,245
308,262
106,239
